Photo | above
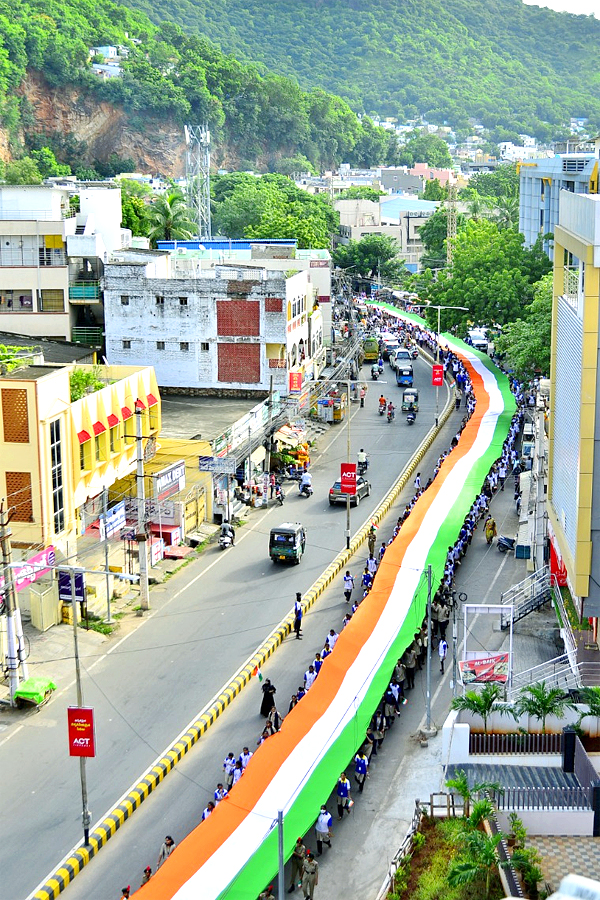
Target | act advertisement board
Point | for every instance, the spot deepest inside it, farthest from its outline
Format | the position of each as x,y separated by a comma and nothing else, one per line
484,668
437,376
348,478
80,724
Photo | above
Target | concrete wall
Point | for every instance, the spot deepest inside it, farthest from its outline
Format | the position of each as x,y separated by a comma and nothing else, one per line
576,822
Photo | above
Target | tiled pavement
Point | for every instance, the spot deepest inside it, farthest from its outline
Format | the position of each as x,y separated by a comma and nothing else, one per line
560,855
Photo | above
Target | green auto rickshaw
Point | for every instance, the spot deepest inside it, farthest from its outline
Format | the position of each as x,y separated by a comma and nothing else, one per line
410,400
287,542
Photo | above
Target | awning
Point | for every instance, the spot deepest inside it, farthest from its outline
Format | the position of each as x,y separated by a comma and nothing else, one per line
139,404
99,428
84,436
285,435
112,420
152,401
126,412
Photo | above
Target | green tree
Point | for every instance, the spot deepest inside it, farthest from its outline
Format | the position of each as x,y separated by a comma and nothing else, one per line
23,171
538,701
525,343
422,147
358,192
478,861
590,696
482,703
434,190
502,182
169,218
47,163
374,256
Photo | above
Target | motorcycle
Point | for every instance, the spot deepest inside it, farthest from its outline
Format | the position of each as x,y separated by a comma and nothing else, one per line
306,490
391,415
382,408
375,373
410,418
505,544
225,541
362,466
279,495
414,353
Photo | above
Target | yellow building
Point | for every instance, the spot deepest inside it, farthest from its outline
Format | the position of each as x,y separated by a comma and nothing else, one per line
574,447
56,455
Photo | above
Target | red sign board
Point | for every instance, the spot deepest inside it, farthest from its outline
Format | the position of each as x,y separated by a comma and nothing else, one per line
295,381
437,376
82,740
486,668
348,478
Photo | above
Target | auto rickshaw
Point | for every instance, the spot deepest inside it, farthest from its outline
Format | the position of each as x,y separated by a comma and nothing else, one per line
410,400
404,375
287,542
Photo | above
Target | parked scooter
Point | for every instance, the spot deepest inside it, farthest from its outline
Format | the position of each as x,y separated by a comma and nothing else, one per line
505,544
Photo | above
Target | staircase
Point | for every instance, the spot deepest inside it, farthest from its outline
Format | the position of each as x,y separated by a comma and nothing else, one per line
555,673
525,597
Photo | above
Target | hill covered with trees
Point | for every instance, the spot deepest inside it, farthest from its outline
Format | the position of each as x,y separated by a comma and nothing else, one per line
514,67
257,119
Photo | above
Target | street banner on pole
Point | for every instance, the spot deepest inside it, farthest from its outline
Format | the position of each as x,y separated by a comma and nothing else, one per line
115,521
64,586
28,572
484,668
295,381
82,738
437,376
348,478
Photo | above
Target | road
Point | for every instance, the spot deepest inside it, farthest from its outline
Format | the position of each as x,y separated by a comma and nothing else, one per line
147,686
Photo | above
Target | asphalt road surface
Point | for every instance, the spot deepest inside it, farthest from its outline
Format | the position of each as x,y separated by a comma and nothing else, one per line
147,686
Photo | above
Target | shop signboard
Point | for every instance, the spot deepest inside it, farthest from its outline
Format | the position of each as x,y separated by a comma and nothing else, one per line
493,667
170,480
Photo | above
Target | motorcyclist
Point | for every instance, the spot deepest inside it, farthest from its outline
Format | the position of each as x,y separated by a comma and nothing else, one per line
390,410
227,530
305,481
363,459
375,370
382,401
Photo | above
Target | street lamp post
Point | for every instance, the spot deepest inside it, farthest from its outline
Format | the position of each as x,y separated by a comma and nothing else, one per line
437,352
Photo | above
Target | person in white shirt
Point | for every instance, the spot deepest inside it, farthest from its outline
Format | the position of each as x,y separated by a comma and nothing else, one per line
309,677
331,638
348,585
323,829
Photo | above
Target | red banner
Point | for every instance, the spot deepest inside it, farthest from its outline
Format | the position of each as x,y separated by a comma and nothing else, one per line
485,668
348,478
437,376
295,381
82,740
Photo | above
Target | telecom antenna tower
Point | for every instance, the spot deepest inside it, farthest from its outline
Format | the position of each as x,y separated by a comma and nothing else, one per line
197,173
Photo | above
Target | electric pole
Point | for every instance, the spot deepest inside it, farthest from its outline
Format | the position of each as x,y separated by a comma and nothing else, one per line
141,514
16,657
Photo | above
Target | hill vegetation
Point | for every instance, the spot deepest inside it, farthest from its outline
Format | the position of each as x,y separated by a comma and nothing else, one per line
170,76
514,67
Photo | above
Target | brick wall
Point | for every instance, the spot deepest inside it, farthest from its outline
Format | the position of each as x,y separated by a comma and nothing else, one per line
237,318
273,304
239,363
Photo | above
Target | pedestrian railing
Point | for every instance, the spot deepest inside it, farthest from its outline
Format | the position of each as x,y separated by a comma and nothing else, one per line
525,597
498,744
555,672
405,849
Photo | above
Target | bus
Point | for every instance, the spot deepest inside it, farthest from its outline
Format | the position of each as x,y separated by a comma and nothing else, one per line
371,348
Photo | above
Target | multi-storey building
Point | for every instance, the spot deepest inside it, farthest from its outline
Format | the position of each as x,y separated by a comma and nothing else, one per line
541,183
56,455
227,328
574,445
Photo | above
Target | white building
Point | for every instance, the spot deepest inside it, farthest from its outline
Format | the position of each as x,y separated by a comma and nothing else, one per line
229,328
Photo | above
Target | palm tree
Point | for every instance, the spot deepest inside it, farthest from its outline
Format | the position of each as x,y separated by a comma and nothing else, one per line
169,218
504,210
482,703
540,701
591,697
460,784
480,859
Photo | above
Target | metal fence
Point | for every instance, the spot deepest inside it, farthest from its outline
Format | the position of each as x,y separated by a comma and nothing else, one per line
534,798
405,849
515,743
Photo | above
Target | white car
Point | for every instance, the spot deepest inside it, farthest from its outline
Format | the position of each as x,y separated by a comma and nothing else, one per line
479,340
400,355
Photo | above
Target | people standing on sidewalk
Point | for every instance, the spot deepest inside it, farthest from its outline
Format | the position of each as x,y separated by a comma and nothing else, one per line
146,876
443,619
228,767
207,810
443,652
309,677
298,616
297,861
372,565
246,756
310,876
490,529
348,585
343,795
371,539
220,793
323,829
410,664
269,690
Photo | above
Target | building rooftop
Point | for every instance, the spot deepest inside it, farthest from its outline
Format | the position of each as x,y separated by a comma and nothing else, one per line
29,373
54,351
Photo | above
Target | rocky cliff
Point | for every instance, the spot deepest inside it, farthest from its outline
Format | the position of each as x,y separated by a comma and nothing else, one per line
104,129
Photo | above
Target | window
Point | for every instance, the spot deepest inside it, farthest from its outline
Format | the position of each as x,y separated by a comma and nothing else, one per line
98,447
160,345
129,424
204,346
52,301
16,301
124,300
58,497
115,437
15,416
18,490
184,346
85,456
126,345
183,301
160,300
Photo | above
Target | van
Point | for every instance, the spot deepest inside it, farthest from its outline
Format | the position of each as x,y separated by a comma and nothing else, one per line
287,542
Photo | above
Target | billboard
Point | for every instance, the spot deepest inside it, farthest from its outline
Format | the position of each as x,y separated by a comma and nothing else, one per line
484,668
348,478
80,724
28,572
437,376
170,480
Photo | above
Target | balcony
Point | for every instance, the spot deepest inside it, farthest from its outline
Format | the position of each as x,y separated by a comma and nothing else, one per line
90,337
85,292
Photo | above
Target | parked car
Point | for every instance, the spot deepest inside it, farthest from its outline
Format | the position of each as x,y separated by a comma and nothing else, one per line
363,489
